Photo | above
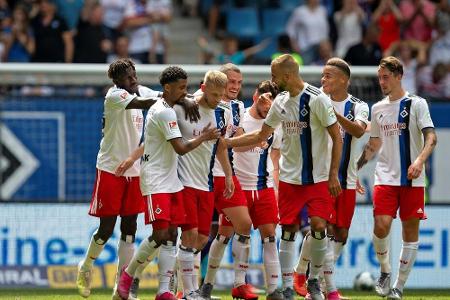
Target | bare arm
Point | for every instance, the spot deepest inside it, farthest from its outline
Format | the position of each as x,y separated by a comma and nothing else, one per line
275,157
256,48
251,138
415,169
355,128
208,133
333,179
141,103
370,149
127,163
68,46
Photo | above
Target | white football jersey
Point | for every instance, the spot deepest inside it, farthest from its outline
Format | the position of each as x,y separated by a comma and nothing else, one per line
399,125
254,167
233,113
122,129
354,110
159,162
195,167
305,157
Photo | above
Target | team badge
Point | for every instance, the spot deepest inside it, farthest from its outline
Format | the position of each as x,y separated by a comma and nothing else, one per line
158,210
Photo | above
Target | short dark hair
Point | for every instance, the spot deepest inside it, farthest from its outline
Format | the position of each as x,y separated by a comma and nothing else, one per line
268,86
393,64
119,68
172,74
341,64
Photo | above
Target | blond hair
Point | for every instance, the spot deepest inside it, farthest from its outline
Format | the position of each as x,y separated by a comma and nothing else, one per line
215,78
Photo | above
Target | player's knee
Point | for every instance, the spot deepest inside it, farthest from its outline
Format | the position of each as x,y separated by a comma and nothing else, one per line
128,225
244,226
160,236
103,233
380,230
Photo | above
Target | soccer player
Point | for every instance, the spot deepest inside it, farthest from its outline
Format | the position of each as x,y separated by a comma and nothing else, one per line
308,171
195,172
234,216
160,183
254,166
352,115
403,133
115,196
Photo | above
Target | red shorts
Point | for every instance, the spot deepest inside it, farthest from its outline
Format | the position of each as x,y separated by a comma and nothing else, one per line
344,207
116,196
387,199
293,197
238,198
262,206
199,207
167,207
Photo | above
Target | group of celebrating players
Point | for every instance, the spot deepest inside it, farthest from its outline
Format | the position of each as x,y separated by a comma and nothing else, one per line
293,149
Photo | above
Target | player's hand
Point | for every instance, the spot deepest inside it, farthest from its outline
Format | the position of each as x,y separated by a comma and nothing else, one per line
415,169
125,165
210,133
264,145
190,108
359,188
334,187
229,187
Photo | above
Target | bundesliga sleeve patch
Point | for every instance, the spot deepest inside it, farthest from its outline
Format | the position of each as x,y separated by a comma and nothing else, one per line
331,111
173,125
124,95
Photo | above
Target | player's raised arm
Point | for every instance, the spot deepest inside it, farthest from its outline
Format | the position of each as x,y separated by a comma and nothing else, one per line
355,128
251,138
190,107
208,133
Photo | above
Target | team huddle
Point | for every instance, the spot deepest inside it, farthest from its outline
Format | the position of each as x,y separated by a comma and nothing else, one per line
289,158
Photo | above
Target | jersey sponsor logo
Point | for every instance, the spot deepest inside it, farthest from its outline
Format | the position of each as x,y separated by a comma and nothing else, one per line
394,129
124,95
294,127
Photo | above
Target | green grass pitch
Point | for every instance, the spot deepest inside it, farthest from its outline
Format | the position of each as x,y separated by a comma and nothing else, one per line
104,294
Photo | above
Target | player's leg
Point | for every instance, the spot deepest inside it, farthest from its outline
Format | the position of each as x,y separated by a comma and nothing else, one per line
385,202
300,275
290,205
106,204
263,209
411,212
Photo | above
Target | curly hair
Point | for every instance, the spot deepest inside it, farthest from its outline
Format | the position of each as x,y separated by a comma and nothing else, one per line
119,68
267,86
172,74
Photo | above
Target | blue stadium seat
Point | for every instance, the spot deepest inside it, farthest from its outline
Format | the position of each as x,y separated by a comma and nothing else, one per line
266,53
274,21
243,23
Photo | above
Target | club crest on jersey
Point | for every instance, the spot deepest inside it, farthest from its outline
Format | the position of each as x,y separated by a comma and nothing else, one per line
404,113
349,116
304,111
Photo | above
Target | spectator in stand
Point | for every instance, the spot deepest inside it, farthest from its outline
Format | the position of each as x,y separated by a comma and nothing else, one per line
19,43
285,47
440,48
70,11
113,14
413,55
91,44
5,23
349,21
434,82
54,40
389,19
161,11
230,53
120,50
419,18
307,27
136,24
368,52
325,53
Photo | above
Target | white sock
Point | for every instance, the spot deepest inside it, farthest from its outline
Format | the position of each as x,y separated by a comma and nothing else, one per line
382,250
146,248
215,257
186,267
318,251
407,258
287,252
125,251
337,249
305,255
93,251
241,251
271,263
140,269
197,257
166,265
328,266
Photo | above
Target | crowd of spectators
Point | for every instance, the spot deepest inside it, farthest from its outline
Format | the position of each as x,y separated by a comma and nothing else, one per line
84,31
